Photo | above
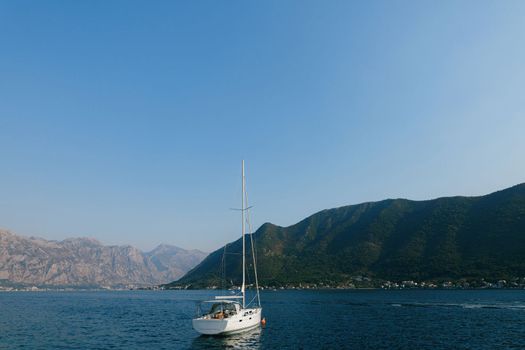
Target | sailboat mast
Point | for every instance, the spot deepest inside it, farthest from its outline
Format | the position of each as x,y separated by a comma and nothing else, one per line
243,239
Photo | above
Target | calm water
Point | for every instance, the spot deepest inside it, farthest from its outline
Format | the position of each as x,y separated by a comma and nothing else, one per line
295,320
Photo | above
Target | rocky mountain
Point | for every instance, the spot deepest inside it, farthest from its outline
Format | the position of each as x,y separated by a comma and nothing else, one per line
86,262
449,238
173,261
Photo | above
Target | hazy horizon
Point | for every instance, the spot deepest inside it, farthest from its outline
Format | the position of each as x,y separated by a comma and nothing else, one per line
153,246
127,121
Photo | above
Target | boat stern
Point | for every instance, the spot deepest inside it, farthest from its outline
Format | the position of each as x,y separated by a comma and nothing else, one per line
209,326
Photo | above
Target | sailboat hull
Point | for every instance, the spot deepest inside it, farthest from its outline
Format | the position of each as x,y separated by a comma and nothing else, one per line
245,320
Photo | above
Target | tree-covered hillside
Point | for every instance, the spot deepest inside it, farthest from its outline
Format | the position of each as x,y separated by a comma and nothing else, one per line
456,237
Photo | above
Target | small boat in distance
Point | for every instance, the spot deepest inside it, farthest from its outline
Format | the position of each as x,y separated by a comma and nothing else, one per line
231,314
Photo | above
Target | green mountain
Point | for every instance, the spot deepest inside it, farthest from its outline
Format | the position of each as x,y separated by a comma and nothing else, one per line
394,239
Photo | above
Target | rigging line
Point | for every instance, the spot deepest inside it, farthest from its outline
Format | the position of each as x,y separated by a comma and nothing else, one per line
253,248
252,243
219,268
223,277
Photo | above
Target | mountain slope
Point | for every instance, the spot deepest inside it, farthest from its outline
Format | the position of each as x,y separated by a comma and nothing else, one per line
392,239
173,262
86,262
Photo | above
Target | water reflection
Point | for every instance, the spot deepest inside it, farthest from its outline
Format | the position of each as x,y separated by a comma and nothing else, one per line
247,340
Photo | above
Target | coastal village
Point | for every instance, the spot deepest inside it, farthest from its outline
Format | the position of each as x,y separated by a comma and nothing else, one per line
357,282
362,282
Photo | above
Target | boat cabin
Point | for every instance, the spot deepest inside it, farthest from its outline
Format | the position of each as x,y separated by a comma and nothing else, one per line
219,310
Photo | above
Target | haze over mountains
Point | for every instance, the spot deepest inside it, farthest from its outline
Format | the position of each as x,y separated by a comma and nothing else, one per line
85,262
395,239
449,238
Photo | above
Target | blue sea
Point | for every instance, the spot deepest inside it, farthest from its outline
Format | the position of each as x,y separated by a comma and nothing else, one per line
357,319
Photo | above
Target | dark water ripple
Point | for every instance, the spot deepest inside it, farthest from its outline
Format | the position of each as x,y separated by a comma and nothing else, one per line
296,320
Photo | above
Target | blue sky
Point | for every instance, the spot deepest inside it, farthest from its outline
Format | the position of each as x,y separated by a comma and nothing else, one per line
127,120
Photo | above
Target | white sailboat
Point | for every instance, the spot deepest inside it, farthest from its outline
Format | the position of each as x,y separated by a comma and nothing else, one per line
231,314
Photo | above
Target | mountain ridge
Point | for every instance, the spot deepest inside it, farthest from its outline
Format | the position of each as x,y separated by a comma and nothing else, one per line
445,237
84,261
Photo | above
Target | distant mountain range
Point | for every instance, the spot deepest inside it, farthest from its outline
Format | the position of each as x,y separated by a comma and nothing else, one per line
85,262
394,239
